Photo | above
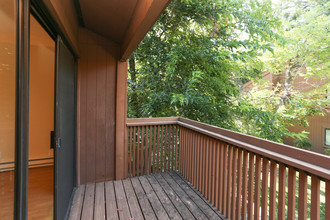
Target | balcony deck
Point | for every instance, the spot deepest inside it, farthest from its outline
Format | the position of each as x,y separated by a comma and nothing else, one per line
157,196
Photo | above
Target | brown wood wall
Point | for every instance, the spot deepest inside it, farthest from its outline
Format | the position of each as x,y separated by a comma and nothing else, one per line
97,70
316,129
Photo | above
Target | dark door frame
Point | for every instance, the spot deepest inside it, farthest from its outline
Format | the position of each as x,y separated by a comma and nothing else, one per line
23,9
22,109
62,148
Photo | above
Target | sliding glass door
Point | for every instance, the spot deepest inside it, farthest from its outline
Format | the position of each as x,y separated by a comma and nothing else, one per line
7,106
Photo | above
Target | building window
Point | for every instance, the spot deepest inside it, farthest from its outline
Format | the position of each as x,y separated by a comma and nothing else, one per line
327,136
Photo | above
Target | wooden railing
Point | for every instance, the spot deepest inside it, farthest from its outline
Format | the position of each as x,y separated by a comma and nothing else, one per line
152,145
243,176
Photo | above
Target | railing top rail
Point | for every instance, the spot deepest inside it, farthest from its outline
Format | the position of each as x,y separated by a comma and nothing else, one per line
151,121
310,162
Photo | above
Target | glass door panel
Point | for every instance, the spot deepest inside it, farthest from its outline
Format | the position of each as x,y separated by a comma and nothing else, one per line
7,106
41,123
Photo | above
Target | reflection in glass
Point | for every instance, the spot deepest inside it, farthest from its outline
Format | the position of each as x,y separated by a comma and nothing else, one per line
41,122
7,106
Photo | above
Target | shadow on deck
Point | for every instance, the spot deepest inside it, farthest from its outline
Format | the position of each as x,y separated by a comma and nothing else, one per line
157,196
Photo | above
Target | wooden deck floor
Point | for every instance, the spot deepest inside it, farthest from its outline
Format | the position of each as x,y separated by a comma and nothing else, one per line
157,196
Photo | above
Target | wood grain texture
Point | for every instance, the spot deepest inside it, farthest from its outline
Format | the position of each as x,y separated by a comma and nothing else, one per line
291,194
272,190
302,202
315,198
257,186
281,191
251,186
157,196
97,74
264,196
327,200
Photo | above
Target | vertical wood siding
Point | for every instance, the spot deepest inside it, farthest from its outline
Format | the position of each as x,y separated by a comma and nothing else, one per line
97,69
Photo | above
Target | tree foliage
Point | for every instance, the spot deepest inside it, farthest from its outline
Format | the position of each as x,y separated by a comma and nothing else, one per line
189,63
194,60
302,56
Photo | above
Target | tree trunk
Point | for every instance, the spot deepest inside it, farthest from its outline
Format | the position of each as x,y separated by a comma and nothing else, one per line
135,104
287,86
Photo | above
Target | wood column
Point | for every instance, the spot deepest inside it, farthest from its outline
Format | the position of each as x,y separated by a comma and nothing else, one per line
121,108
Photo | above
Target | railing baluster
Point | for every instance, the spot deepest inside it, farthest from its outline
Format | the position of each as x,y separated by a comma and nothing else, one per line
195,158
154,150
315,198
281,191
264,200
210,148
257,188
151,144
233,188
138,152
239,184
327,200
188,151
158,148
170,147
272,190
173,147
162,150
291,194
230,163
191,153
134,150
198,162
181,151
251,186
217,173
143,150
214,168
171,132
204,165
177,147
225,174
187,154
200,182
221,174
166,149
184,154
207,167
244,184
146,151
302,202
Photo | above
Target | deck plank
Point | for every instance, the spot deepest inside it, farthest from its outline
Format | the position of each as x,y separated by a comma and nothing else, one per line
191,205
157,196
202,197
99,208
88,207
143,199
182,209
77,203
122,205
206,209
111,204
166,202
133,203
154,201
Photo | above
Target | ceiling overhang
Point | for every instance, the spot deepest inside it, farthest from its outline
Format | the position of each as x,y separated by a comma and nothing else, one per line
125,22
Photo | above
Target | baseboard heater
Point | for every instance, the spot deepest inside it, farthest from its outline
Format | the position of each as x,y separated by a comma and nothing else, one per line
41,162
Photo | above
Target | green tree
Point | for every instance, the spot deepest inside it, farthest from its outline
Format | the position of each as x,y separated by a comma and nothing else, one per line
304,54
190,62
